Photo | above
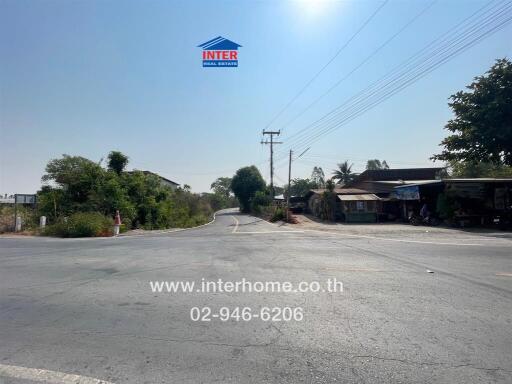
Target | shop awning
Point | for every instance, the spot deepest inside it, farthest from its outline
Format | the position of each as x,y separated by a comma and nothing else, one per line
365,197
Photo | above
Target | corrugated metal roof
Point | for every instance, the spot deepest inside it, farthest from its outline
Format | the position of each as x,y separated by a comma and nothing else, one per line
376,187
419,182
480,179
453,181
365,197
408,182
399,173
342,191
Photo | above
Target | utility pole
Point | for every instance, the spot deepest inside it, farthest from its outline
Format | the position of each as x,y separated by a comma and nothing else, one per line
290,182
271,142
289,187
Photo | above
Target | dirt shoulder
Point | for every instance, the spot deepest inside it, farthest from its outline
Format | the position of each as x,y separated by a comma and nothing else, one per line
401,230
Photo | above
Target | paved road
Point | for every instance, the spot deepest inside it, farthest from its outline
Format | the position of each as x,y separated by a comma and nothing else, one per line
85,307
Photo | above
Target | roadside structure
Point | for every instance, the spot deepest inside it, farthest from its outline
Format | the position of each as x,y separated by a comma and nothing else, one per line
471,201
351,204
391,194
371,196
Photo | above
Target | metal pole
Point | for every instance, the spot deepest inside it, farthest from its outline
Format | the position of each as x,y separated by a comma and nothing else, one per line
289,187
272,166
15,212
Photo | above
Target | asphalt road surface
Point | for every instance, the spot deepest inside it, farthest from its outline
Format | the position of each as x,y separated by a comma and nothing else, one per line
83,311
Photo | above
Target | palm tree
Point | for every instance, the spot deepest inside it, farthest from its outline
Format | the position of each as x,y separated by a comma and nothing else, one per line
344,173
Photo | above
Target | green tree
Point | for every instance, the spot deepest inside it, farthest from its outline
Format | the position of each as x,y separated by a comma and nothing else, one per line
468,169
482,127
300,187
318,177
81,185
222,186
344,173
51,202
77,175
246,182
376,164
328,202
117,162
109,195
330,185
260,200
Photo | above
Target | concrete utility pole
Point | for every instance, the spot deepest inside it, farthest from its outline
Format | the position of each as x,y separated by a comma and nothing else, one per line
290,182
271,142
289,187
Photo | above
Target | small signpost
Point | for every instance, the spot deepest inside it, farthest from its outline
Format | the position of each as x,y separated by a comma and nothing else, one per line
20,198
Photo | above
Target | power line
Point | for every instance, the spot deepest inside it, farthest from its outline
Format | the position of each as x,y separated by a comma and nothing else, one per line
371,104
287,105
370,96
406,64
368,58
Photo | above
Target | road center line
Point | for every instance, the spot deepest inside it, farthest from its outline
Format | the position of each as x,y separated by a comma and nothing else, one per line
43,375
236,224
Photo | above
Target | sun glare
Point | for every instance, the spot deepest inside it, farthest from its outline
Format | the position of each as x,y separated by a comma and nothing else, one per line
312,7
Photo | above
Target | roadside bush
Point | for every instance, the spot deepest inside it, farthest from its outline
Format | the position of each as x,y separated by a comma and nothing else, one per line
122,228
82,224
78,185
29,218
260,201
279,214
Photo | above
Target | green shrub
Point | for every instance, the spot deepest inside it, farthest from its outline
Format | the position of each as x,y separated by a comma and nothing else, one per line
82,185
260,201
82,224
29,218
279,214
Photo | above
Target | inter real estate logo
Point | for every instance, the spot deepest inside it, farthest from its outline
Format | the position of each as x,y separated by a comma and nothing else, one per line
220,52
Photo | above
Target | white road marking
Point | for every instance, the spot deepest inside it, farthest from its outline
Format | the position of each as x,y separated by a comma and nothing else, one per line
167,231
397,240
43,375
254,233
236,224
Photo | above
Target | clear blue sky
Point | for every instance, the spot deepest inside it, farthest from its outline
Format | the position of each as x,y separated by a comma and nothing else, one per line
87,77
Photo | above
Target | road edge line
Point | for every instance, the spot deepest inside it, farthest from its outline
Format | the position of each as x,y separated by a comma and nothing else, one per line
47,376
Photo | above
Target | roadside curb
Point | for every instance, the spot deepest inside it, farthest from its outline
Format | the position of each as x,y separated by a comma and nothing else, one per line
157,232
164,231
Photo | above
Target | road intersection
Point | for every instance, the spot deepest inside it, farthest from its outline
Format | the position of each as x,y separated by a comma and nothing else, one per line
85,307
